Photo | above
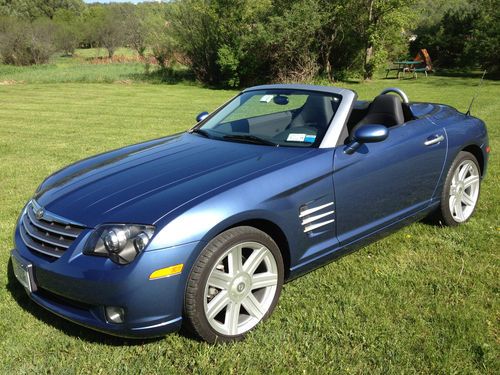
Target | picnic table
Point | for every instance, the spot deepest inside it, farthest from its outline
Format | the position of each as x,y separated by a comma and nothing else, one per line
410,66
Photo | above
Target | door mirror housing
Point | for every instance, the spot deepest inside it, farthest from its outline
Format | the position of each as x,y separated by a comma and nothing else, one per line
202,116
370,133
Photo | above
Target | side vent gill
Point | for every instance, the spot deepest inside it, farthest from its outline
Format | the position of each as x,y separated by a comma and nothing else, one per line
316,217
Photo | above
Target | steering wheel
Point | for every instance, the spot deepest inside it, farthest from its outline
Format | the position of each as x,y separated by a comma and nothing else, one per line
400,92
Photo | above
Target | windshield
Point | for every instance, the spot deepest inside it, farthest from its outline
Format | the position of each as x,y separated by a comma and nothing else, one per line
277,117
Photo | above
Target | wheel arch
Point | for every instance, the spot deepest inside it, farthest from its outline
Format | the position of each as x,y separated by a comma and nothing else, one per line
478,154
272,230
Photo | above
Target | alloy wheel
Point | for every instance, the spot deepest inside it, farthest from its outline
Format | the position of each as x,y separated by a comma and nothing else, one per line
464,191
240,288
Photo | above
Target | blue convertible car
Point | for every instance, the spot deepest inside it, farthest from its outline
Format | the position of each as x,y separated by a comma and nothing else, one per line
202,228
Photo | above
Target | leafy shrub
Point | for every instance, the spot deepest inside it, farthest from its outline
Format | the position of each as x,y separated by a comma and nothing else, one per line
464,37
160,40
26,43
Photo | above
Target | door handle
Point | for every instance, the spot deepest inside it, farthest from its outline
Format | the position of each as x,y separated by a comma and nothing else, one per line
433,141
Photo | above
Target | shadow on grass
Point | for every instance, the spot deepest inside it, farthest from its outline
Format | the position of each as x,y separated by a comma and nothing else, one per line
167,75
456,73
68,327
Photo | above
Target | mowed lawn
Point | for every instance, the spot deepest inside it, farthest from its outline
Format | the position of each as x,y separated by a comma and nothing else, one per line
423,300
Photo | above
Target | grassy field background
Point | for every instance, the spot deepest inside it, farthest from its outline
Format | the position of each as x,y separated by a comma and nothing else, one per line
422,301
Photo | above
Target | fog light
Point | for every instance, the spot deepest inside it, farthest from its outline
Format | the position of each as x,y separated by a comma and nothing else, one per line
115,314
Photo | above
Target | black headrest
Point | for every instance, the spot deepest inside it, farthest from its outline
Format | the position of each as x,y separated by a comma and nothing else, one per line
317,111
388,108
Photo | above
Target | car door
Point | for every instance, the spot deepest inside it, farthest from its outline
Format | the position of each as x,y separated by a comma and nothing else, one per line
387,181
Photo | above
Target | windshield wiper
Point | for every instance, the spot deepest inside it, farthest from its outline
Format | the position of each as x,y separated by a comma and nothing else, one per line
200,132
250,139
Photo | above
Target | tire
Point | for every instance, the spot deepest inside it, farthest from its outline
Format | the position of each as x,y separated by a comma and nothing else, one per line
461,190
234,285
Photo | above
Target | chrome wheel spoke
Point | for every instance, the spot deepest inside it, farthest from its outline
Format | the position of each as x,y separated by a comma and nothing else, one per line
235,260
452,203
254,260
455,177
219,279
466,199
459,210
232,318
253,306
215,306
463,172
263,280
471,181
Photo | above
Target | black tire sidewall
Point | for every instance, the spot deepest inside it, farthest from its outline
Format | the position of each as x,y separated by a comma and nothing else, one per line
195,291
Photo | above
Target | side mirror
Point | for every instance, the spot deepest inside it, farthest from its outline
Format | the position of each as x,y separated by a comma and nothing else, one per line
202,116
367,134
371,133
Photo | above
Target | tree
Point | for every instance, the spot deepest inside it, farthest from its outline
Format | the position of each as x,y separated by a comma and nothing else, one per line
161,41
32,9
26,43
136,25
196,27
68,31
293,40
465,37
485,42
379,21
108,27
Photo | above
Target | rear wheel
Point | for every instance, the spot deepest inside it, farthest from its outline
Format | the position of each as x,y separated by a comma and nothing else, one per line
234,285
461,190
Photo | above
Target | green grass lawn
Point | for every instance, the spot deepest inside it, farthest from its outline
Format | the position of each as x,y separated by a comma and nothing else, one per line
81,68
422,301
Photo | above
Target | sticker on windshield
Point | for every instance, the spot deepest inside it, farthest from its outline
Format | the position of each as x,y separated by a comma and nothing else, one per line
310,138
295,137
266,98
298,137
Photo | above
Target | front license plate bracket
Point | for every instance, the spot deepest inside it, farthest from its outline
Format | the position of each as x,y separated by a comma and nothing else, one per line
23,271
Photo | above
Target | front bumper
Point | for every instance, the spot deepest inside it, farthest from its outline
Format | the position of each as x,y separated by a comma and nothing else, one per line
78,287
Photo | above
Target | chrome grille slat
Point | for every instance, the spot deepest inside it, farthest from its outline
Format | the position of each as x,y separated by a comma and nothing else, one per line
45,235
35,246
72,232
33,232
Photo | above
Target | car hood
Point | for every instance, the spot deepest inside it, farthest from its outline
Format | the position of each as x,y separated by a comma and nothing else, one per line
145,182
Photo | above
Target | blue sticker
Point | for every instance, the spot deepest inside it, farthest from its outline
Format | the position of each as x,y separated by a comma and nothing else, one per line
310,138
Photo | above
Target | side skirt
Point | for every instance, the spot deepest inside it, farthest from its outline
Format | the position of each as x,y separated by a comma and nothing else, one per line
324,259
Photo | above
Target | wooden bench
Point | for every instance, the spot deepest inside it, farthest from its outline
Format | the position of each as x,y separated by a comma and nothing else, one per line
419,70
390,69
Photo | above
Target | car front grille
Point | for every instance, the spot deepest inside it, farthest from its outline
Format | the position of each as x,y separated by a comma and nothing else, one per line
46,233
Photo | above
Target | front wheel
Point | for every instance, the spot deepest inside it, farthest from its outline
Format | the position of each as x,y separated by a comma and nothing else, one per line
461,190
234,285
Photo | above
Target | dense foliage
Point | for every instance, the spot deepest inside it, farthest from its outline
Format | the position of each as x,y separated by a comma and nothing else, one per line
467,35
241,42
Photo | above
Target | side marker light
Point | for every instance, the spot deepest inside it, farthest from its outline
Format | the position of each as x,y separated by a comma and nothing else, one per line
166,272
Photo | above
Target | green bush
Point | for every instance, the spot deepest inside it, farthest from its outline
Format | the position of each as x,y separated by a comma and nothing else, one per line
26,43
464,37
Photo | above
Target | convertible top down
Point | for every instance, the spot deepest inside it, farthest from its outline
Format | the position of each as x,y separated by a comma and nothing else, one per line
202,228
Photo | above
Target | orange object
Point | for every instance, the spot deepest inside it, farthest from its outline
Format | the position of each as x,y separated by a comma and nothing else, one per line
424,56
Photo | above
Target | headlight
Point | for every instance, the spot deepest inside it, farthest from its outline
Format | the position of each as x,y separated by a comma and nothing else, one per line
119,242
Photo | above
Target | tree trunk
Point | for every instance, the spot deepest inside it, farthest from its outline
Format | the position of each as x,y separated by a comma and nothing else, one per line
367,68
329,72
